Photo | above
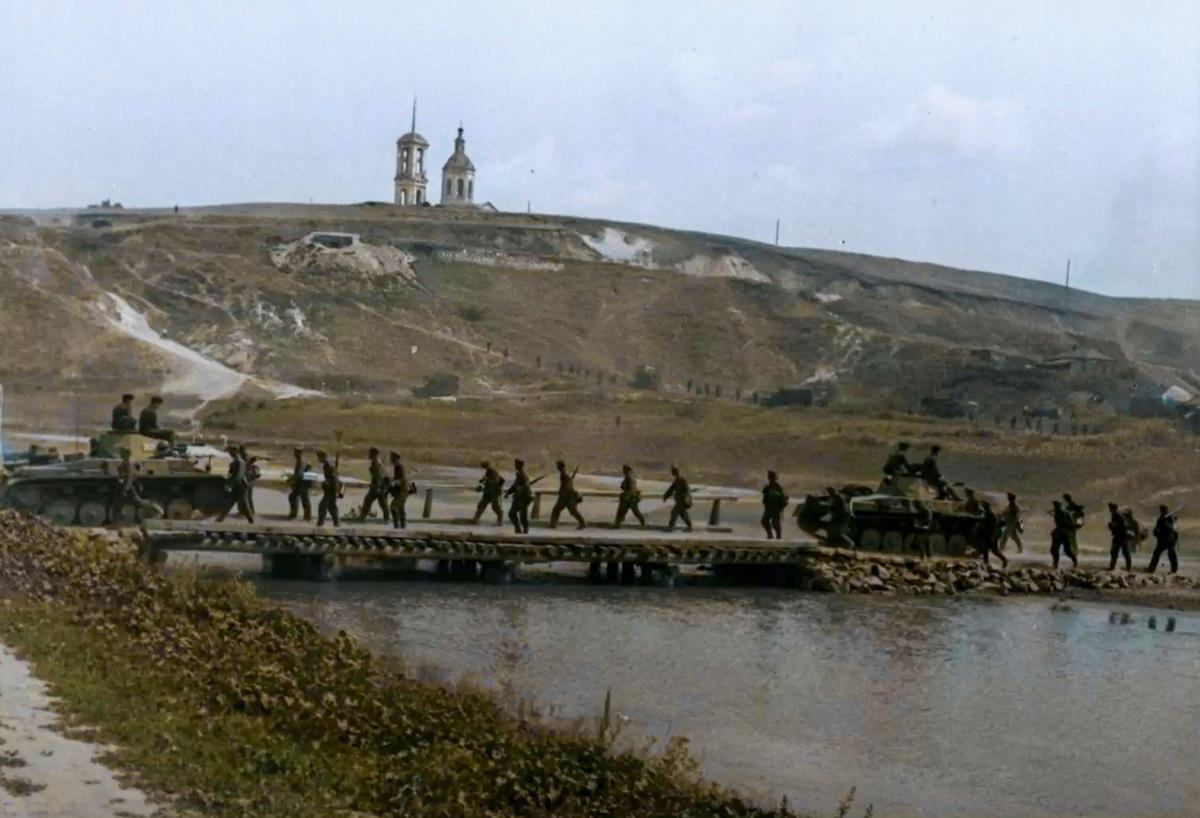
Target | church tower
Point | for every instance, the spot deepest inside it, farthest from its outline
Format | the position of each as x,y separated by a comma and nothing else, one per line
458,176
410,165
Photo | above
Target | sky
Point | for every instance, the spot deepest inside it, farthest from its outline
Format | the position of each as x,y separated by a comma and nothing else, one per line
1006,136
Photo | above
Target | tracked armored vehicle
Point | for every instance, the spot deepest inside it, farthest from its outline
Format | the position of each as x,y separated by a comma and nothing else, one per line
79,491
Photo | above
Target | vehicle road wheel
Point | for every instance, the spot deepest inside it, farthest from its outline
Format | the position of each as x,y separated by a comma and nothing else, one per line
871,539
937,544
61,511
893,541
957,545
92,513
127,513
179,509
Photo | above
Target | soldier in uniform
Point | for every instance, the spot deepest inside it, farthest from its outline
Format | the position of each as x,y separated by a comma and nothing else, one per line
330,490
932,474
837,531
148,422
1166,537
987,532
1120,538
1012,524
298,496
521,492
682,493
122,415
1076,511
127,491
925,527
897,462
774,501
377,490
490,485
235,487
568,498
630,497
971,505
399,491
1062,538
253,472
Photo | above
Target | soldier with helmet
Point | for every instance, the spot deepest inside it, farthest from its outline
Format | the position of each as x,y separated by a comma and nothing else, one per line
377,490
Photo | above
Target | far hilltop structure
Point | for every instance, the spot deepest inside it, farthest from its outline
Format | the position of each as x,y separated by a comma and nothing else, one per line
458,176
410,165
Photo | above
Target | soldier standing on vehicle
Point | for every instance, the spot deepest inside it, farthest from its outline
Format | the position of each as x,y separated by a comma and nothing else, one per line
490,485
377,489
399,490
298,496
1120,538
568,498
987,532
235,487
630,498
1166,537
682,493
774,502
897,462
331,486
1013,524
1062,538
521,492
837,531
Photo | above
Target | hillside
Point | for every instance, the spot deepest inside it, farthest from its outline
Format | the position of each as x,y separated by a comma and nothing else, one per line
209,301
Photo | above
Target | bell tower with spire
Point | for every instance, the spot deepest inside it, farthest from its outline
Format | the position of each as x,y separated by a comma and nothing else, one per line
410,165
458,175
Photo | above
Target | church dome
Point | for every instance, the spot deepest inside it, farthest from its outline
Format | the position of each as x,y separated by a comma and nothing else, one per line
413,138
459,160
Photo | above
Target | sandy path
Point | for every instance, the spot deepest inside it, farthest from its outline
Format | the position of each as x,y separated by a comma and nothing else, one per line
44,773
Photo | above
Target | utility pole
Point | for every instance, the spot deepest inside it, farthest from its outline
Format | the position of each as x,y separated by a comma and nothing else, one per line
777,232
1068,274
528,206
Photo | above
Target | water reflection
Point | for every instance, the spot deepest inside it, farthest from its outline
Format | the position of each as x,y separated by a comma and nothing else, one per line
941,707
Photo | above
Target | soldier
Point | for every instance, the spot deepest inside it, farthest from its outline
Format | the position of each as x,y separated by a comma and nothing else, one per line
971,505
1166,537
931,474
377,490
1062,538
122,415
1137,532
330,490
490,485
925,527
897,462
837,531
774,502
1013,525
235,487
630,497
1076,511
1120,538
399,490
253,472
568,498
521,492
148,422
987,531
682,493
127,492
298,496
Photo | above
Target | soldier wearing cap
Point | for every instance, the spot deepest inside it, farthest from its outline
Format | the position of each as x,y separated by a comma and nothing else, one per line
521,492
122,414
682,494
298,496
630,498
774,501
235,487
148,422
127,491
399,489
377,490
1118,527
490,486
330,490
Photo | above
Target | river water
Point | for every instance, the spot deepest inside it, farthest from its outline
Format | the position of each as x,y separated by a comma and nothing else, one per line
927,706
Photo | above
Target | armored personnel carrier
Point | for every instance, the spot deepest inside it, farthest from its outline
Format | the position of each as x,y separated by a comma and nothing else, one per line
79,491
888,519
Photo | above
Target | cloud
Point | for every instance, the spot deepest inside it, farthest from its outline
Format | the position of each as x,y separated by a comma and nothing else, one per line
786,175
942,121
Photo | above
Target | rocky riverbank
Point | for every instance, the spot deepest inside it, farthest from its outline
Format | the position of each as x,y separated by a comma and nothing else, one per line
856,573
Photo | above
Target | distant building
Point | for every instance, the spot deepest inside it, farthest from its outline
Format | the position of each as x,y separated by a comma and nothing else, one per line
458,176
410,165
1082,362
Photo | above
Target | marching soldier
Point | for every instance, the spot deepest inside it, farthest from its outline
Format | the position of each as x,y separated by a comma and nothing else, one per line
253,472
925,527
127,492
568,498
1076,511
235,487
682,493
987,532
1120,538
837,532
1013,525
377,490
971,505
630,497
774,501
1137,532
1166,537
521,492
330,490
490,485
1062,538
399,490
298,496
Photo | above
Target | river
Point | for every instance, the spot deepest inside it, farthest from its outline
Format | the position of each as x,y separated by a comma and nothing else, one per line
927,706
